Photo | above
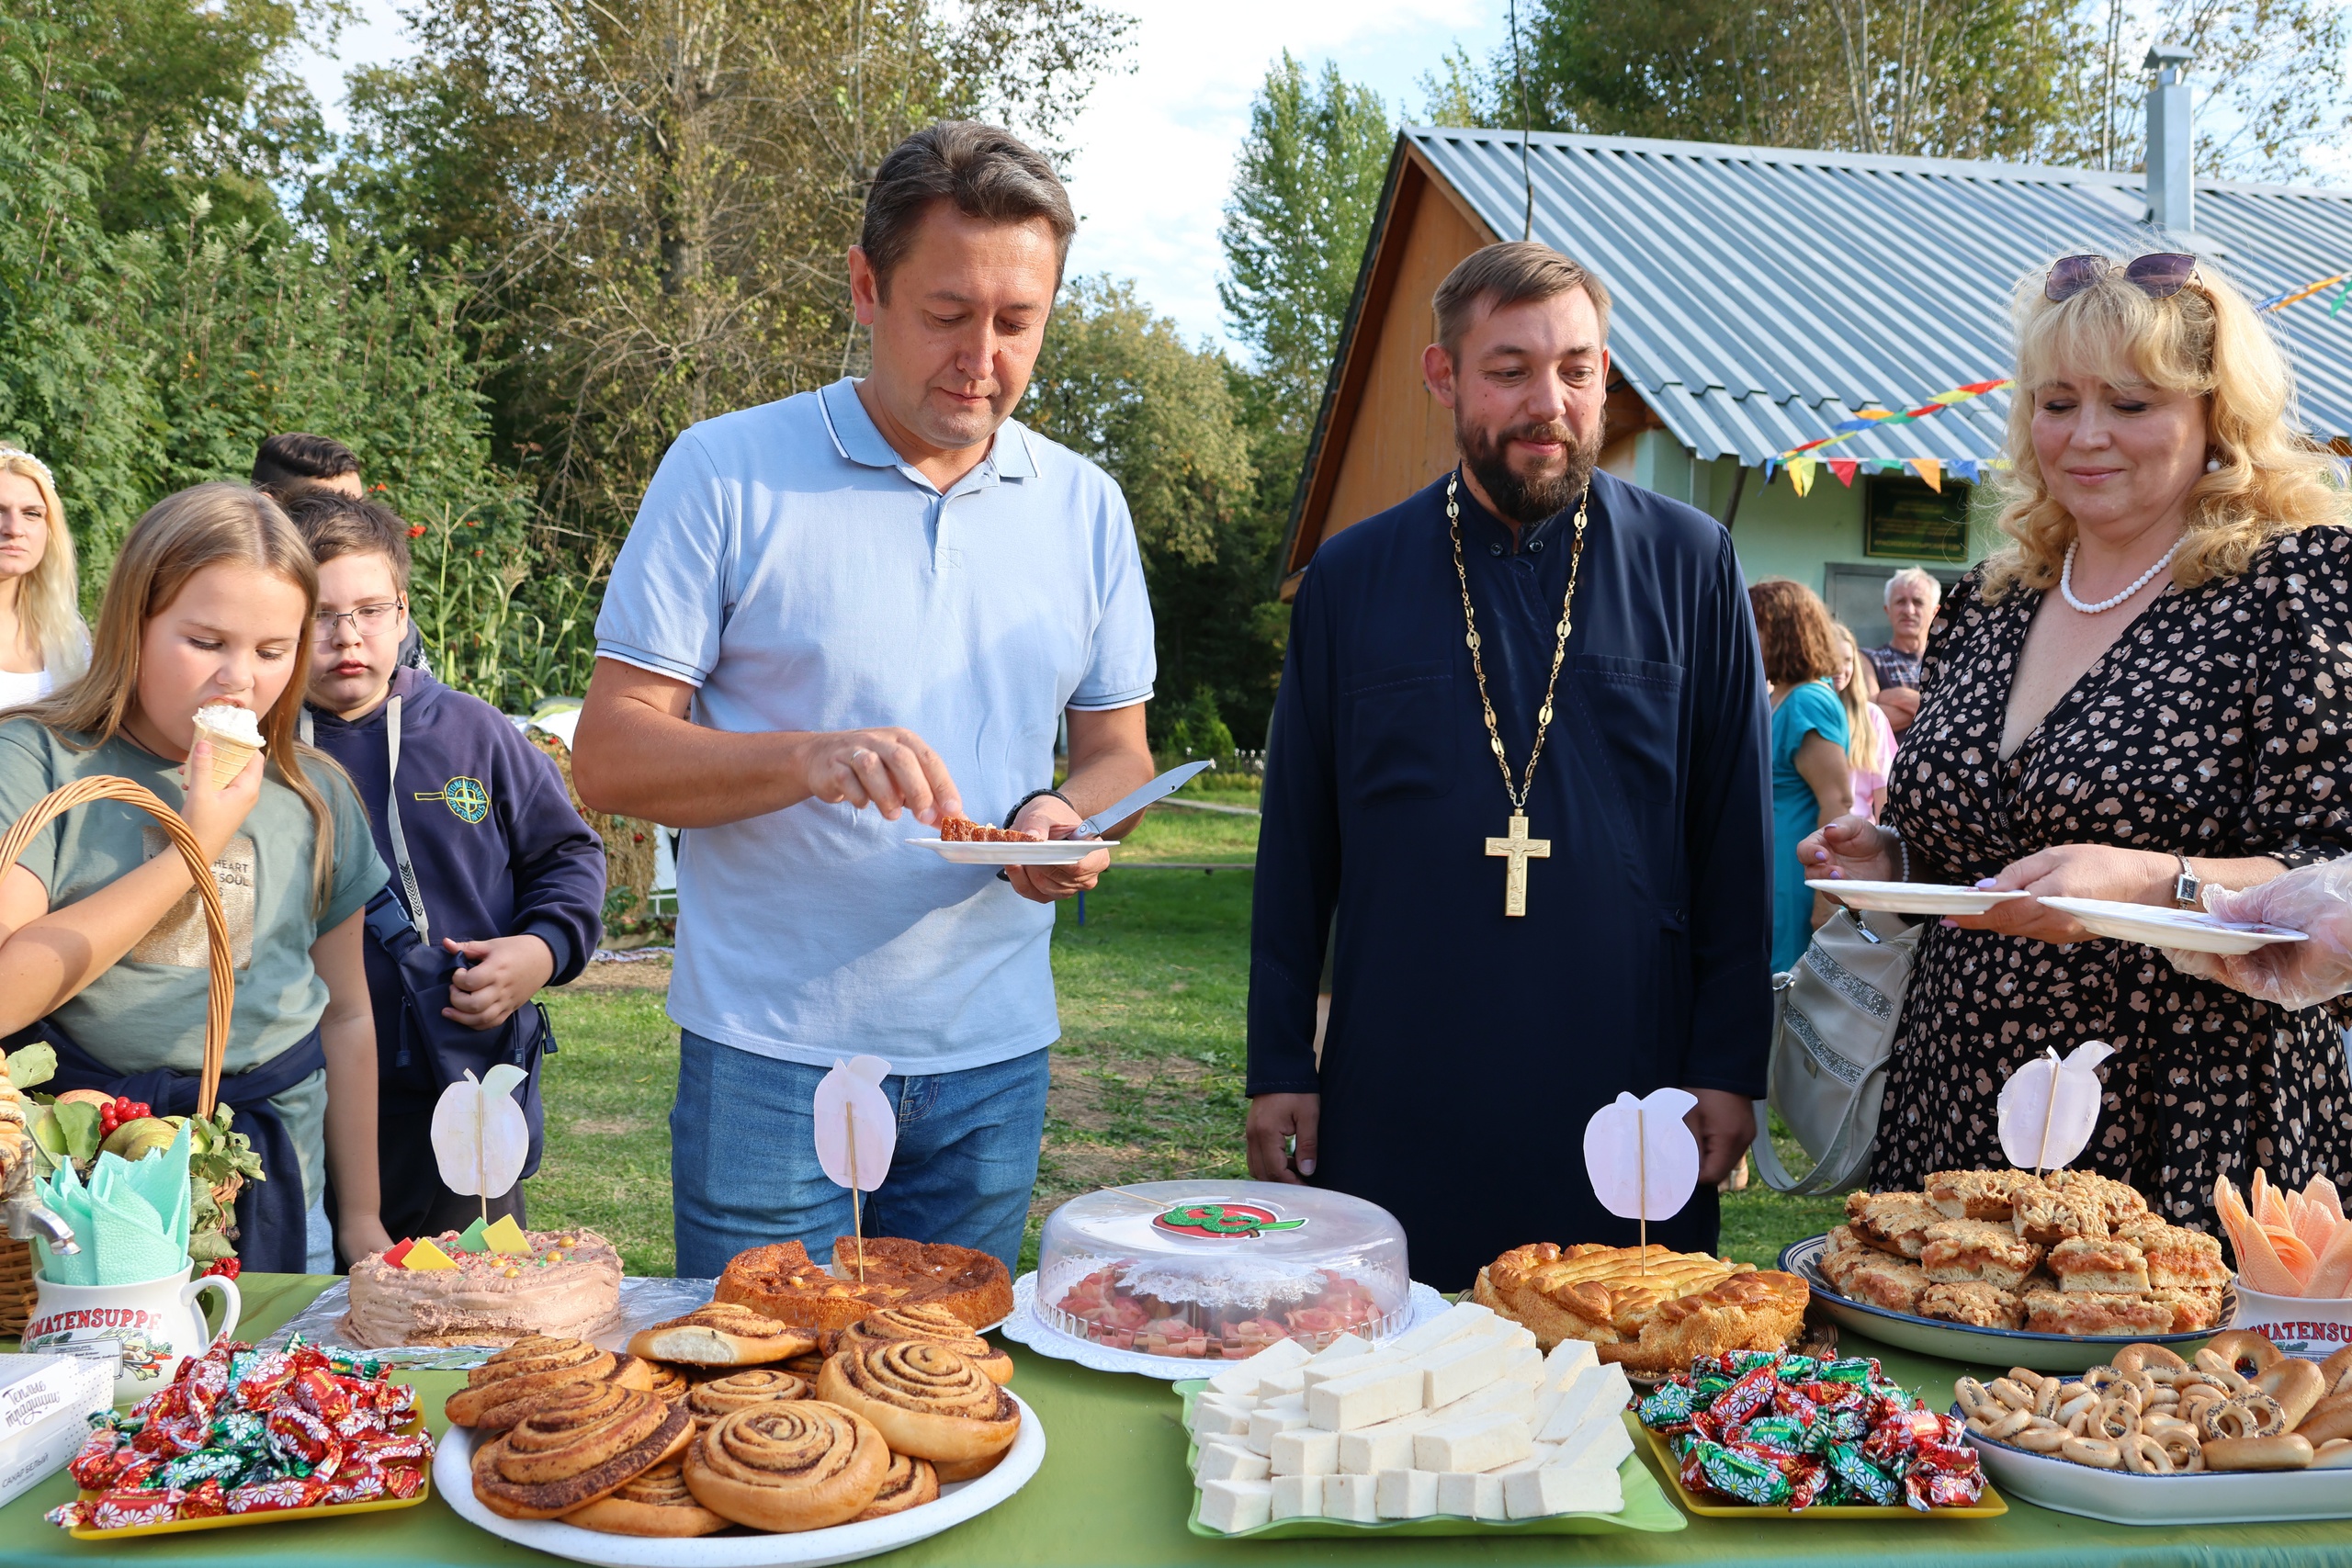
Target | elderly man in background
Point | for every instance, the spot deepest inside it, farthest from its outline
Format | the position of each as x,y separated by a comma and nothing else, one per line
1912,597
884,592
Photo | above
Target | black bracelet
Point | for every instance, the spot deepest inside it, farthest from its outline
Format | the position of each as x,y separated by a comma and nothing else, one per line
1032,795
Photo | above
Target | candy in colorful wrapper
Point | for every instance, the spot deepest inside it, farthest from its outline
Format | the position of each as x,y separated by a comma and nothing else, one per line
277,1497
404,1481
1789,1400
71,1516
1739,1363
1712,1426
1872,1482
1927,1489
262,1379
1835,1427
1808,1484
1836,1396
298,1435
241,1431
1751,1393
207,1464
1743,1477
121,1510
359,1486
166,1435
208,1501
1849,1369
100,1460
1709,1386
1778,1433
416,1450
1666,1408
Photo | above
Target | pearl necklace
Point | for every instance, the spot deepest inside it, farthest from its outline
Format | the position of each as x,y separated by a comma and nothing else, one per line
2066,578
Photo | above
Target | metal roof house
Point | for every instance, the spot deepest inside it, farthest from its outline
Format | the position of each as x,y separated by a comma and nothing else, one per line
1765,295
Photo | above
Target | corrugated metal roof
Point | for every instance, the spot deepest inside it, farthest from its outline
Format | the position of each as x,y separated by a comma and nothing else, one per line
1763,294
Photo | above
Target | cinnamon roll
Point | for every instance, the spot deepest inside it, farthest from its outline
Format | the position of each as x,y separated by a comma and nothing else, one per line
524,1367
585,1442
795,1464
933,1323
968,1469
707,1401
655,1504
928,1401
668,1382
910,1484
722,1335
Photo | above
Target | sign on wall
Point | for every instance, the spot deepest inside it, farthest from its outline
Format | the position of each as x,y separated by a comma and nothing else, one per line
1902,517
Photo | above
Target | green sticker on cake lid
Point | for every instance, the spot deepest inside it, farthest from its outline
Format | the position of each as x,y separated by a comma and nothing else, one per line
473,1240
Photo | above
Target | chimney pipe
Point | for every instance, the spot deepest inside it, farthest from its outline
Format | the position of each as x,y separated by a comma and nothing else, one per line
2171,147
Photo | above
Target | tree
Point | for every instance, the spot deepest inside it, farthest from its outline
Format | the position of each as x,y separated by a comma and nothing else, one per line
1305,190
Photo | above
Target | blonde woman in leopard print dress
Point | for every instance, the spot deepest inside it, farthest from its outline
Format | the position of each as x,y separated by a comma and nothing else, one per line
2157,666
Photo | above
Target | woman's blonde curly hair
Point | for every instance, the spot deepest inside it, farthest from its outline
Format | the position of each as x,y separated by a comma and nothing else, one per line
2205,339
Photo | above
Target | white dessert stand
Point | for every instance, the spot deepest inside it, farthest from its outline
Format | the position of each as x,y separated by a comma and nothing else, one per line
958,1500
1024,1326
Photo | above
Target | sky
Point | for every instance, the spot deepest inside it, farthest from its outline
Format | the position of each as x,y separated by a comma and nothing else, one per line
1157,145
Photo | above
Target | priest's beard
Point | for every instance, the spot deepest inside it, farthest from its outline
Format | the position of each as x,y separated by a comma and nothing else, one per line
1528,499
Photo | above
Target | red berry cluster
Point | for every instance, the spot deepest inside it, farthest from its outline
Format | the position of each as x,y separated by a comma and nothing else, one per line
227,1268
120,1110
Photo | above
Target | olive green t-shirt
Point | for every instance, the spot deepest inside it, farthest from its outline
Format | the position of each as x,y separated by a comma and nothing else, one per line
148,1010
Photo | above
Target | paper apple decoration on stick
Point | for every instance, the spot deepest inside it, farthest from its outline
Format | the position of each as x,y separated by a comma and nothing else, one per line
2049,1107
1642,1158
856,1133
479,1138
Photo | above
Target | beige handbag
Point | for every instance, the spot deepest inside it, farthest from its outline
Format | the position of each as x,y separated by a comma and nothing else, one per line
1834,1021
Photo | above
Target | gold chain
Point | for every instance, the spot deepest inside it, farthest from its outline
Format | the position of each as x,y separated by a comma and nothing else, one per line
1559,653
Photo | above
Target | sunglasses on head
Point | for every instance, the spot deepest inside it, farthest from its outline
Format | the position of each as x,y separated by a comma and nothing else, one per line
2159,275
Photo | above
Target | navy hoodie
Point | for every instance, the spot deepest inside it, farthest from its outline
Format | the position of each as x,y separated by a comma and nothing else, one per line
498,849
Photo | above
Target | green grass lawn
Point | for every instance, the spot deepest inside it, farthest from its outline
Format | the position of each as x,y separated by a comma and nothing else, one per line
1146,1079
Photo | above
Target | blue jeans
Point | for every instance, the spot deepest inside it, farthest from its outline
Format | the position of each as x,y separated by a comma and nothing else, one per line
743,1168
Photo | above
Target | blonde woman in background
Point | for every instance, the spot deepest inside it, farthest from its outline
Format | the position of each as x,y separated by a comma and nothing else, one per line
2146,693
43,643
1870,739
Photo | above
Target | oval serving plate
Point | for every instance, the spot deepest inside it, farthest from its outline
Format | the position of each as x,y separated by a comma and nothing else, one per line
2186,930
1910,897
2208,1498
1009,851
1024,1325
1978,1347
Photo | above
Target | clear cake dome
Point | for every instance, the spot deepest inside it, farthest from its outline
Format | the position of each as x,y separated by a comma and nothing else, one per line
1217,1271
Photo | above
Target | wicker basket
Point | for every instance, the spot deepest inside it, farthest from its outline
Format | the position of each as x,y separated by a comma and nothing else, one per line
17,1302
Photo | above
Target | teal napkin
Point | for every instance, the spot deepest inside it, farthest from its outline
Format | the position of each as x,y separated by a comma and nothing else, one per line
132,1219
65,1197
162,1179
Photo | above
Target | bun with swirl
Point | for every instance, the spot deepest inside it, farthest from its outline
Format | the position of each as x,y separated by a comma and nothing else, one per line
583,1443
708,1401
655,1504
797,1464
505,1385
933,1323
910,1483
928,1401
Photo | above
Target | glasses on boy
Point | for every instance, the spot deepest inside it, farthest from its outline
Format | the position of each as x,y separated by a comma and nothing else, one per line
370,618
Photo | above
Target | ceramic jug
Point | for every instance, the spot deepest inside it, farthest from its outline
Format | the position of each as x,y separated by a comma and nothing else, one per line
157,1323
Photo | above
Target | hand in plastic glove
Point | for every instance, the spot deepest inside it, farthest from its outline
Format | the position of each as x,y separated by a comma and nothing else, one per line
2315,900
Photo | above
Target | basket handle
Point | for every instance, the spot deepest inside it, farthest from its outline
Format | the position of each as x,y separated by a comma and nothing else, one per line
222,990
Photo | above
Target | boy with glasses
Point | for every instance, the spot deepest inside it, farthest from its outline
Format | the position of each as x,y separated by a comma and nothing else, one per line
498,885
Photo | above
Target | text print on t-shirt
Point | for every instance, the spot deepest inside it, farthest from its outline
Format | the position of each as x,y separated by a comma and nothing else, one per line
179,937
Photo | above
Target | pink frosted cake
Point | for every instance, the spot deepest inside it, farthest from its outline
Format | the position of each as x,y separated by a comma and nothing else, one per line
568,1286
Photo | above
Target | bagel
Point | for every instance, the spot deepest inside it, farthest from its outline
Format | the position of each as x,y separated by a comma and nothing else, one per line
2142,1455
2329,1419
2248,1415
2009,1424
2334,1455
2296,1384
2046,1437
2132,1358
2337,1370
2097,1452
1975,1400
2288,1452
2244,1352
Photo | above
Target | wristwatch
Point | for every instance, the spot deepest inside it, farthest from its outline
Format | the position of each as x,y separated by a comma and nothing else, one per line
2186,885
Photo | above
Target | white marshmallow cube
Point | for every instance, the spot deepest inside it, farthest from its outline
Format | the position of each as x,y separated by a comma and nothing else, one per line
1247,1376
1568,1355
1390,1446
1481,1443
1228,1462
1345,1348
1290,1380
1461,1368
1304,1452
1381,1395
1297,1497
1353,1497
1471,1496
1405,1495
1220,1419
1603,1441
1557,1489
1235,1506
1453,1322
1598,1389
1265,1424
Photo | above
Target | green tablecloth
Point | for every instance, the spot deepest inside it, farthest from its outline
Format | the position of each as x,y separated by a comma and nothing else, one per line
1113,1491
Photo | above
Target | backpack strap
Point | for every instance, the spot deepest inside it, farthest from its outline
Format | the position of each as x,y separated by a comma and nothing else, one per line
417,916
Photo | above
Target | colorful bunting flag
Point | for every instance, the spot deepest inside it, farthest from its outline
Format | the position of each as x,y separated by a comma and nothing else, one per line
1844,468
1801,475
1929,470
1875,419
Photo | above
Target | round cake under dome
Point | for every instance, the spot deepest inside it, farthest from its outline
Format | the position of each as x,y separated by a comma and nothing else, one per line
1217,1270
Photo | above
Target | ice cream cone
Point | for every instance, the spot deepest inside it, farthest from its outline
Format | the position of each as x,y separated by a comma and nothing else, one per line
230,751
228,759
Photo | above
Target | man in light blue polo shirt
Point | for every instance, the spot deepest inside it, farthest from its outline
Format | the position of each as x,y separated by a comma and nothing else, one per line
882,593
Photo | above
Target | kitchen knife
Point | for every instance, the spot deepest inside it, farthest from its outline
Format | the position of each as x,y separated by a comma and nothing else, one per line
1166,784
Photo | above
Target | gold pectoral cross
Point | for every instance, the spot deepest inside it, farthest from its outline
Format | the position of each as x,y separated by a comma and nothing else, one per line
1519,847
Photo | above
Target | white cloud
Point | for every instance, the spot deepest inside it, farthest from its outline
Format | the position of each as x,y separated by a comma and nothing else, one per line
1155,150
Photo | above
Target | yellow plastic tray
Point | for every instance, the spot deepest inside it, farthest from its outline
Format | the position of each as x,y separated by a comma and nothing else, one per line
277,1517
1992,1507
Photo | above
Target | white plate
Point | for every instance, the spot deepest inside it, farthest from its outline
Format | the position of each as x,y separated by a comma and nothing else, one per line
1025,1327
2185,928
1978,1347
1030,852
1911,898
958,1500
2208,1498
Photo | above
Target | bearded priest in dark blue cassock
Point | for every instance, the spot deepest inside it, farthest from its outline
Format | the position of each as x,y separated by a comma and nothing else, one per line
1537,838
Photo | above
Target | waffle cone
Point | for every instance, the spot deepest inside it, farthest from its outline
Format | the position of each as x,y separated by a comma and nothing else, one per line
229,757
